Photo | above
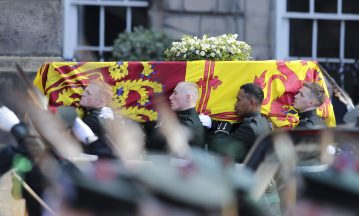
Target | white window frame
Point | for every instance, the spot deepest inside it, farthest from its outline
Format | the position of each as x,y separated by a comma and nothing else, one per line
71,24
282,30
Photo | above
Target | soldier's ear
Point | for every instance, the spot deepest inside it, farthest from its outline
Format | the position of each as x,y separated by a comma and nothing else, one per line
253,102
188,97
312,102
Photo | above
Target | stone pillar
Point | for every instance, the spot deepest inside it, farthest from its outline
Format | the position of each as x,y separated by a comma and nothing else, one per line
259,29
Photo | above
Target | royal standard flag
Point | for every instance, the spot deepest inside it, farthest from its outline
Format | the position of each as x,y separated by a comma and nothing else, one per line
134,84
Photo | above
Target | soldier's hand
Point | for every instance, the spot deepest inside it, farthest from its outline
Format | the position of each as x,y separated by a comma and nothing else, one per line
223,127
83,132
205,120
8,119
106,113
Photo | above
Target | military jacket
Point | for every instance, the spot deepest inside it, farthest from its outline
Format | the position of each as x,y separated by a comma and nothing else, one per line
100,147
309,119
189,118
237,143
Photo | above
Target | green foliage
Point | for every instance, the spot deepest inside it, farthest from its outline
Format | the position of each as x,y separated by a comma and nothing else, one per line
223,48
140,45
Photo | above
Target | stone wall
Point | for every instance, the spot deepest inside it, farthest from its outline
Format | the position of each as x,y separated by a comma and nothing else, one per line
259,27
213,17
30,33
253,23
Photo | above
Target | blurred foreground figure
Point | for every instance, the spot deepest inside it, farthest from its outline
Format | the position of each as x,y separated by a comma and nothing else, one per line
182,101
30,158
22,158
235,140
202,184
334,191
308,99
104,189
352,117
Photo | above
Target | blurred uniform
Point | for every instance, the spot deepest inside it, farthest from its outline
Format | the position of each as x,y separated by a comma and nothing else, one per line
199,185
104,189
352,116
29,146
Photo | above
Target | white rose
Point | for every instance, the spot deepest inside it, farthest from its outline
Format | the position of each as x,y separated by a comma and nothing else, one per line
202,53
212,54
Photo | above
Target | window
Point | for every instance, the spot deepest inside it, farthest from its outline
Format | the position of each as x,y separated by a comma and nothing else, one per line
91,26
323,30
318,29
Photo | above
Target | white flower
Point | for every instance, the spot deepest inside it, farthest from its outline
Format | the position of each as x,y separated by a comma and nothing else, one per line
223,47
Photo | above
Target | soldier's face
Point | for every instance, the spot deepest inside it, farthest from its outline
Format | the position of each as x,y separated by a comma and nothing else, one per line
243,104
178,99
91,97
303,99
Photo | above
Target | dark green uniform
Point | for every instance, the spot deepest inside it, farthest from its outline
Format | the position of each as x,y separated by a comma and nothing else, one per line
100,147
309,119
242,136
189,118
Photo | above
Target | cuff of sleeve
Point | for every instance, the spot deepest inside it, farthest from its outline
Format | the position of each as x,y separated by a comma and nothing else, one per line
91,139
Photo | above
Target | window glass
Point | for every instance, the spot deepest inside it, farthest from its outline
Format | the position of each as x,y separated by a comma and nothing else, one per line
350,6
352,39
90,33
115,23
326,6
328,38
351,80
298,5
300,38
140,17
